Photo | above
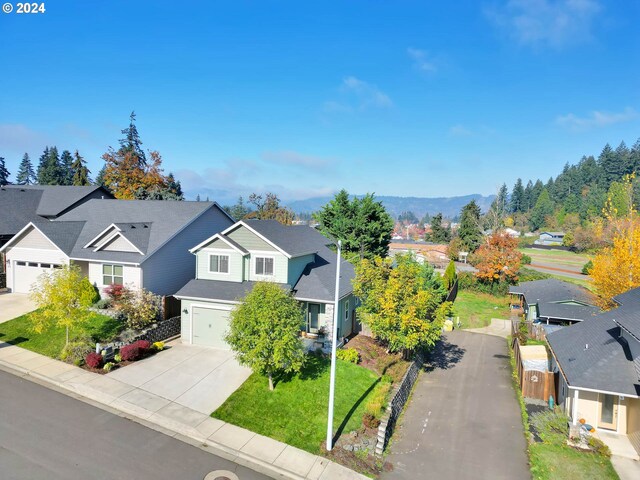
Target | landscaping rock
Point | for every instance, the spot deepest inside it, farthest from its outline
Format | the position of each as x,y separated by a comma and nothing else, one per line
348,447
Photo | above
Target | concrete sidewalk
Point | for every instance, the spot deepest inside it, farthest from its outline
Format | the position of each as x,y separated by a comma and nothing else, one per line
244,447
498,327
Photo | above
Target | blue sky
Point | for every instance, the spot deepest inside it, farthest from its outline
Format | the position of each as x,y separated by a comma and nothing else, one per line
411,98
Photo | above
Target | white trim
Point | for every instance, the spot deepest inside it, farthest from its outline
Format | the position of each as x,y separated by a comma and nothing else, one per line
184,227
200,299
253,263
24,229
241,223
211,254
94,239
617,413
210,307
604,391
113,237
217,236
95,260
328,302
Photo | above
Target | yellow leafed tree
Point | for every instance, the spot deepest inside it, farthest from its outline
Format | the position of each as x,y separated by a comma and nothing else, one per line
616,269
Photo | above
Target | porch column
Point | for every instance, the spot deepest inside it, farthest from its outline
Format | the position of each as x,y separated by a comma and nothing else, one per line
574,408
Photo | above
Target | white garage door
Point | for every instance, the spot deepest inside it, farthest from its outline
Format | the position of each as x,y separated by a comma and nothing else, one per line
209,327
26,274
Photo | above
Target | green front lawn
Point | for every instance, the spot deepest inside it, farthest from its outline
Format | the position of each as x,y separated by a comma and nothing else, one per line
296,411
50,341
562,462
476,309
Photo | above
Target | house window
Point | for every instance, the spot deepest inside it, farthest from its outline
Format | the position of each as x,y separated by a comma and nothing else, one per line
346,310
112,274
219,263
264,266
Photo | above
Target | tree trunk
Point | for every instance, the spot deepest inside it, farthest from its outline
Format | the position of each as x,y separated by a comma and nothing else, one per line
270,382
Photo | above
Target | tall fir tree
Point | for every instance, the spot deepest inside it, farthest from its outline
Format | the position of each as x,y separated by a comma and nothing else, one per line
542,208
42,162
612,166
174,187
131,142
470,231
49,171
80,171
4,173
66,168
100,177
517,197
26,175
439,233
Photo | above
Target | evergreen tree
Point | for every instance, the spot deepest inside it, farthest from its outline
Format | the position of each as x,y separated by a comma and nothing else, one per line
237,211
42,162
634,159
613,167
49,171
100,177
528,192
543,208
198,200
26,175
80,171
425,219
4,173
131,142
408,217
439,234
470,232
517,197
536,190
174,187
66,169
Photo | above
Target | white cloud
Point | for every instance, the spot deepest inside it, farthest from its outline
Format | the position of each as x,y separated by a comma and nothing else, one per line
421,60
20,138
460,131
294,159
553,23
595,119
358,95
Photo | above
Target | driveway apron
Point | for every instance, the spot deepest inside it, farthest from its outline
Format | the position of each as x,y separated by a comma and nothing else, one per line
463,420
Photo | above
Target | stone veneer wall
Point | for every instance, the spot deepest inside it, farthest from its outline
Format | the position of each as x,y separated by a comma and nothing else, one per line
399,396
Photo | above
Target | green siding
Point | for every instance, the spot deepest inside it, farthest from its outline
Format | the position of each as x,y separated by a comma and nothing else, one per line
280,264
235,267
249,240
218,245
296,267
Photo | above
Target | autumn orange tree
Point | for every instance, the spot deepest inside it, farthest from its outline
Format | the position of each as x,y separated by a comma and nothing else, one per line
128,172
616,268
498,259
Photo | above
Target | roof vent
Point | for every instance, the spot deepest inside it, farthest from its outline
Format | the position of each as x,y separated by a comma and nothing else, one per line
145,226
586,347
102,197
133,226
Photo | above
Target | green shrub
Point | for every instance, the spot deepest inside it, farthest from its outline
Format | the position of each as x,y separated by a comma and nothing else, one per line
552,425
141,308
586,269
117,358
598,446
348,355
157,346
108,366
468,281
450,275
528,275
102,304
76,350
525,260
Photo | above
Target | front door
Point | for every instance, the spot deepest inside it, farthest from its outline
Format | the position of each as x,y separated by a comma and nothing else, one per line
314,313
608,412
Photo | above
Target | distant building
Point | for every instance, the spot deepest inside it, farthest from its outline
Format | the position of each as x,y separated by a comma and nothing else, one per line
550,238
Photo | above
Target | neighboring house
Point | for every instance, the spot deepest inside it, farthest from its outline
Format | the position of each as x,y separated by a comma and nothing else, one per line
21,204
231,262
550,238
138,243
555,302
599,365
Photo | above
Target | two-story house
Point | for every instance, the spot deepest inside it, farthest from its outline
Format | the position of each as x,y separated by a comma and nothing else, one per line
229,264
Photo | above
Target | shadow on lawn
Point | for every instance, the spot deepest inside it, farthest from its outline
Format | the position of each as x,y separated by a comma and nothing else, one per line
106,331
313,368
444,356
17,340
353,409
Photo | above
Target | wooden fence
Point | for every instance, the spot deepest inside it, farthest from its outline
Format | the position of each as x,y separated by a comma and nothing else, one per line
170,307
535,331
533,383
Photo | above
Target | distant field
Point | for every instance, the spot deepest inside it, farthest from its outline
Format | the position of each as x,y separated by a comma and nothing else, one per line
559,257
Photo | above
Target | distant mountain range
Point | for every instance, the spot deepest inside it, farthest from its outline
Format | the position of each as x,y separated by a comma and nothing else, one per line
449,206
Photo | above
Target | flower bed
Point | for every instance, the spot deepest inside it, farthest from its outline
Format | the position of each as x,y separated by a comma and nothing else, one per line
131,353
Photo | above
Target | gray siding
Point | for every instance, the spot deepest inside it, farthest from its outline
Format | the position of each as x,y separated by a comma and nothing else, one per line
34,239
218,245
296,267
119,244
173,266
249,240
236,273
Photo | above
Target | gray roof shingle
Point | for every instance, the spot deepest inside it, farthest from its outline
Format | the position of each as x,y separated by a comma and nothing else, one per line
18,207
295,240
592,356
628,314
58,198
219,290
318,279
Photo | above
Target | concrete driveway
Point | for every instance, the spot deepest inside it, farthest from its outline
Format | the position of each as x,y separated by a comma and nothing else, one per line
463,421
13,305
200,378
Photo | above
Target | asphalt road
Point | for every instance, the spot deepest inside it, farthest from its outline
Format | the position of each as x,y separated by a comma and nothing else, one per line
463,420
49,436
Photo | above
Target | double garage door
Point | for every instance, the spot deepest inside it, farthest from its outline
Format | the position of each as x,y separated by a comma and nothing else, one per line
26,274
209,327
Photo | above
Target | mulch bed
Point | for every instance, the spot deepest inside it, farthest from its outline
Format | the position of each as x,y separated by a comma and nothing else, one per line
374,357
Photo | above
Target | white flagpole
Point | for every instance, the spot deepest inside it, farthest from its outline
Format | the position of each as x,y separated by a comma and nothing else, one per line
334,341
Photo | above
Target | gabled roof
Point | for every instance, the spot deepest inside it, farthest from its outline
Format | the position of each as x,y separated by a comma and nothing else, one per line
628,314
61,234
18,207
555,297
591,355
56,199
223,238
318,279
291,240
